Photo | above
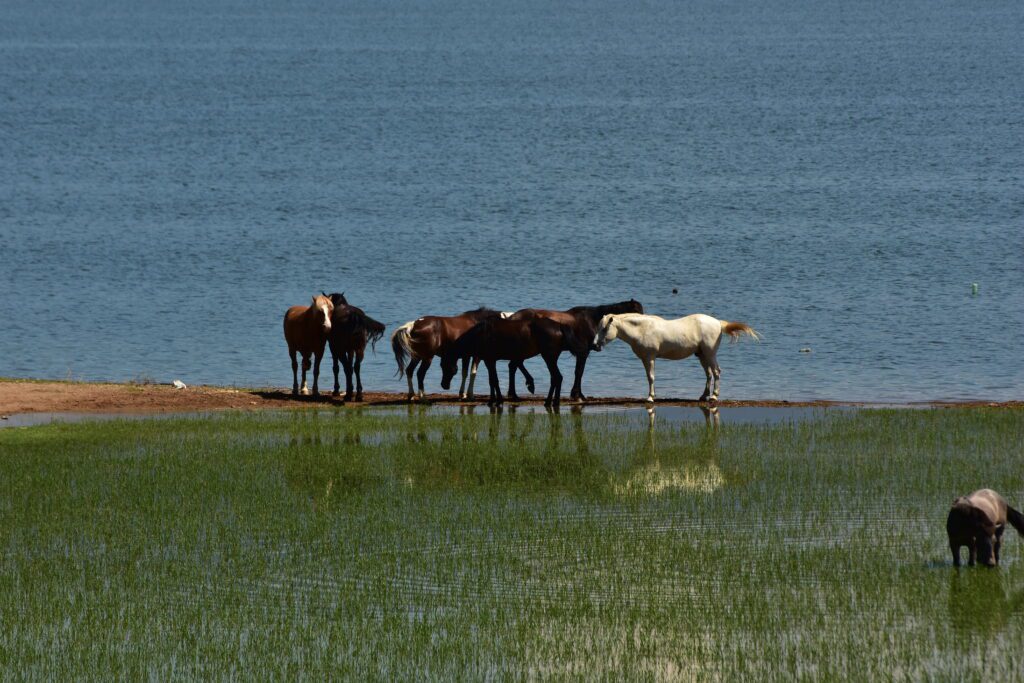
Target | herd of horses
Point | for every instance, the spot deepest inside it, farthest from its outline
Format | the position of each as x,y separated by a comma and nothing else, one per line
976,521
490,336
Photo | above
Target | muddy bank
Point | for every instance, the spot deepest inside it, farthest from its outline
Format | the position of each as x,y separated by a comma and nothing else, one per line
31,396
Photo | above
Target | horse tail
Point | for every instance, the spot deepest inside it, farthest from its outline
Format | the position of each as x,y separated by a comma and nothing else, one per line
734,330
374,332
363,324
573,343
401,344
1016,519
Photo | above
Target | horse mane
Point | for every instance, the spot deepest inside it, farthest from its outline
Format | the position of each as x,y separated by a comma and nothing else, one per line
595,313
482,312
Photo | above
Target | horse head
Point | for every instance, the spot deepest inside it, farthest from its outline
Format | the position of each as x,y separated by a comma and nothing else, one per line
605,332
323,308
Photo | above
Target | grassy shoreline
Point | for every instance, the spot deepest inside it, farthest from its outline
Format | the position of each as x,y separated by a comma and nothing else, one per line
379,546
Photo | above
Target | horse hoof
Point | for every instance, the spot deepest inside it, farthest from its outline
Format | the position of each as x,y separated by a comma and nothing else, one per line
335,394
650,399
359,397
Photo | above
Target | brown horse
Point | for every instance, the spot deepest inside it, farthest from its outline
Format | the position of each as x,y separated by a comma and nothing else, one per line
305,330
582,320
418,341
977,521
351,329
513,339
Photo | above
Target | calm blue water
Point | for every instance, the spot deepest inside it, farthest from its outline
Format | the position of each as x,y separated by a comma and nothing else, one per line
174,175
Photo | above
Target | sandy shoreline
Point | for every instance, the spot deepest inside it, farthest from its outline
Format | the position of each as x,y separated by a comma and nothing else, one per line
36,396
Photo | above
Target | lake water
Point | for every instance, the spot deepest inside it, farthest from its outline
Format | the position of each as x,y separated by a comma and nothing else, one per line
174,175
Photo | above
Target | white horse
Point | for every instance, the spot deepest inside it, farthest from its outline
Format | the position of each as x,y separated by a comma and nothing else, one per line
651,337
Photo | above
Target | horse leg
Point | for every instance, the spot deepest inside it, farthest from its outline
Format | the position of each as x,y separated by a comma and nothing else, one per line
530,386
359,375
304,390
334,367
707,373
492,376
577,384
955,547
295,372
424,366
512,396
317,357
717,370
465,370
472,378
346,360
649,367
409,369
972,553
999,542
555,390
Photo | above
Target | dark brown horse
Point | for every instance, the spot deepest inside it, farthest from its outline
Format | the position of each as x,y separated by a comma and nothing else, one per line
351,329
418,341
582,320
513,339
305,330
978,521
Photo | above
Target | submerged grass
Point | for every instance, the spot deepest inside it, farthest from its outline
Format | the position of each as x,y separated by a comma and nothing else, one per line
411,546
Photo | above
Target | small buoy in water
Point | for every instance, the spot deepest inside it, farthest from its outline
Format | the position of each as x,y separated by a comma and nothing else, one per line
675,291
974,289
178,384
806,349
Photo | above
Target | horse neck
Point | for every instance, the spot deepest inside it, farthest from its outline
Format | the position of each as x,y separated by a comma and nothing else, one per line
309,318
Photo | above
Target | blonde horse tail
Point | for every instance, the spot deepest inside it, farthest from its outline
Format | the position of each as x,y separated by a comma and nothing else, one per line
734,330
401,344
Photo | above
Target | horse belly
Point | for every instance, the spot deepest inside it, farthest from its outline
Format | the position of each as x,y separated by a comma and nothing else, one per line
675,352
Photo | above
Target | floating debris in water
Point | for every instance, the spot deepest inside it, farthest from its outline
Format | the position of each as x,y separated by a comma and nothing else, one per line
806,349
974,289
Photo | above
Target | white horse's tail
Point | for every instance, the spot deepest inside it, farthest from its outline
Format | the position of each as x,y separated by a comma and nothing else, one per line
401,344
734,330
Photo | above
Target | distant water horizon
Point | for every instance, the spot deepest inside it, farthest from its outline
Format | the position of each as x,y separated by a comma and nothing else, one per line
839,177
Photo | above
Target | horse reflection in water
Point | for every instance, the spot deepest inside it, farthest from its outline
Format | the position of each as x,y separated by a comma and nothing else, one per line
655,472
980,606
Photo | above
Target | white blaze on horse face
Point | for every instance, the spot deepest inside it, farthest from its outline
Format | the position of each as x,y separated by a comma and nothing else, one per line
327,317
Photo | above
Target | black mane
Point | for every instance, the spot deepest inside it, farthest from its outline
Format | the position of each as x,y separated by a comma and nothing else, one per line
595,313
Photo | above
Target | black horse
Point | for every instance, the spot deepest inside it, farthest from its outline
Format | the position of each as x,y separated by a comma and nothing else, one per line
514,339
582,320
351,329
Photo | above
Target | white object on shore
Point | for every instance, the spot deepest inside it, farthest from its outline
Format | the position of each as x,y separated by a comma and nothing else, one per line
178,384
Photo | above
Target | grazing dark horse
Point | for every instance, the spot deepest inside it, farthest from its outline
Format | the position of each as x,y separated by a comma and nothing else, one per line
418,341
351,329
305,330
977,521
513,339
583,321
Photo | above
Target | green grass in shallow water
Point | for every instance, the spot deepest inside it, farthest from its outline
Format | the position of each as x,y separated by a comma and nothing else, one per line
392,546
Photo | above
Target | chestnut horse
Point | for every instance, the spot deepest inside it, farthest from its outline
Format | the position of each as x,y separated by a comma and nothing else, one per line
513,339
583,321
351,329
418,341
305,330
